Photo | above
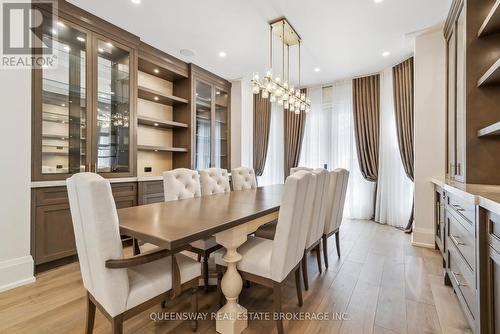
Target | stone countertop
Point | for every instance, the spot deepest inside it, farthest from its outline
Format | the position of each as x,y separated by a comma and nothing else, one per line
484,195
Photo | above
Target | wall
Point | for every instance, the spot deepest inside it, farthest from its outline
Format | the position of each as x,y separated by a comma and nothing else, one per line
241,123
430,129
16,264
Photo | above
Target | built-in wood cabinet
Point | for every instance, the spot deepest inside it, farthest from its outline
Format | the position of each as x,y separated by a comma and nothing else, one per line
119,107
84,106
211,111
472,35
51,225
439,218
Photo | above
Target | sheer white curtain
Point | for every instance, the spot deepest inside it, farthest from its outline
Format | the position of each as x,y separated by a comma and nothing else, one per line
394,190
275,159
329,139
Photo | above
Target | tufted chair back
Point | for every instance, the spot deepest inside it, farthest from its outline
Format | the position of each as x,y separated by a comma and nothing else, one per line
214,181
339,178
293,224
243,178
97,236
319,206
181,183
296,169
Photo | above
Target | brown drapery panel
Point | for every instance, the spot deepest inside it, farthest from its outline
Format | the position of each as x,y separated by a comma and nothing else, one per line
293,135
402,75
366,108
261,124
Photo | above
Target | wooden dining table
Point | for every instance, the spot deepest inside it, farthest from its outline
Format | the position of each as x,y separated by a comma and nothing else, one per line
230,217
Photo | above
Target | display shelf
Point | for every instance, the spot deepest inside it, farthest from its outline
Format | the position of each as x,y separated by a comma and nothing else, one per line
492,75
491,130
158,97
159,71
161,148
491,24
150,121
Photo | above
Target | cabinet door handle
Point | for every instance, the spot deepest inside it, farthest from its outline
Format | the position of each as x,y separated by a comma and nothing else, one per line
458,207
454,275
457,240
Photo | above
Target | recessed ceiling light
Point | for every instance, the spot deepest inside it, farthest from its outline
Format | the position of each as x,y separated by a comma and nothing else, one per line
156,70
60,24
222,54
217,92
156,98
136,1
378,1
386,53
81,39
317,69
186,53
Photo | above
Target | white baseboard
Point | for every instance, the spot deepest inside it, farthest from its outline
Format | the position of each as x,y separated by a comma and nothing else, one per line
16,272
423,238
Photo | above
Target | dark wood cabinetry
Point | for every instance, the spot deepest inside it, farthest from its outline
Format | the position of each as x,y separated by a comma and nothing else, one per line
151,192
51,226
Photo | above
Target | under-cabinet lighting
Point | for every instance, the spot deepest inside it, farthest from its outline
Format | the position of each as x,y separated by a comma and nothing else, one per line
222,54
156,70
156,98
156,124
386,53
81,39
317,69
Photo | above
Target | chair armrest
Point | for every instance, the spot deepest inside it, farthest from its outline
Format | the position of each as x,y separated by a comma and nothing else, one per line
141,258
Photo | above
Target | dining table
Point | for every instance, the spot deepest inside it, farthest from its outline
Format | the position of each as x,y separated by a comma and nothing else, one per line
230,217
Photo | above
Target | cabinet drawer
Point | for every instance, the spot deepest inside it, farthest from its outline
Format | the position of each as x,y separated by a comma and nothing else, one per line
461,234
124,189
463,280
152,187
493,230
50,196
462,207
155,198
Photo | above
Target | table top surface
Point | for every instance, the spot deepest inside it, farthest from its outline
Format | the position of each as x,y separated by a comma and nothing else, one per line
175,224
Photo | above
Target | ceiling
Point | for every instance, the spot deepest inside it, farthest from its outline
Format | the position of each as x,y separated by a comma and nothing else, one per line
343,38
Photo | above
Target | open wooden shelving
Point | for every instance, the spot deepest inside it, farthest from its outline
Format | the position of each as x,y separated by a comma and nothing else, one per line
150,121
161,148
158,97
491,130
492,75
491,24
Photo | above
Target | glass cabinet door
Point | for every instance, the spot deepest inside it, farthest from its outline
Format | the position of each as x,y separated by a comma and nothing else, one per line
62,102
221,129
203,110
113,108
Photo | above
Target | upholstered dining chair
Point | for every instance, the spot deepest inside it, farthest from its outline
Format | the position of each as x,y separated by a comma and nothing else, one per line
317,218
270,262
243,178
182,183
213,181
339,178
120,287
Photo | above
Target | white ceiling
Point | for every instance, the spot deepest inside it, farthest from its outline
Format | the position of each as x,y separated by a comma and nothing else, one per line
344,38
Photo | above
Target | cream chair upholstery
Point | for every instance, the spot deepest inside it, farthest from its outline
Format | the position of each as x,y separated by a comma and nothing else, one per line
243,178
214,181
97,236
181,183
339,179
296,169
274,260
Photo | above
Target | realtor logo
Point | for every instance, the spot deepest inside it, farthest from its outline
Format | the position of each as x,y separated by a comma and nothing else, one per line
22,43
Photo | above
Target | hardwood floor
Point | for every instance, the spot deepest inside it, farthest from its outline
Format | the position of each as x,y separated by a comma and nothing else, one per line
381,285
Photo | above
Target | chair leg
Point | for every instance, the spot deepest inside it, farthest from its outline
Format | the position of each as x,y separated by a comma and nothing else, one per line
298,285
337,242
318,257
199,257
194,308
277,307
117,325
135,246
325,249
219,289
304,271
205,270
89,325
